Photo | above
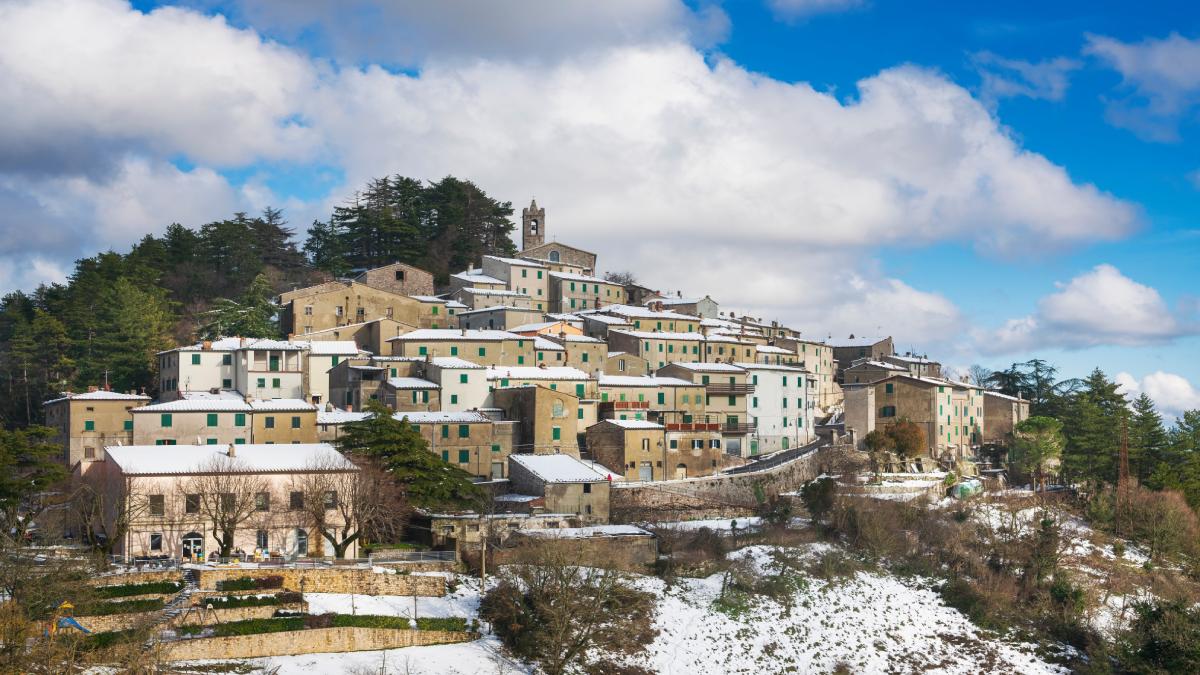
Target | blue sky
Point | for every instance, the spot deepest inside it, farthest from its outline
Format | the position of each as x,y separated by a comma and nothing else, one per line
985,181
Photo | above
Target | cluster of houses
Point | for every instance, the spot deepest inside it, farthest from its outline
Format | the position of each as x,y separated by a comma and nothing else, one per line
533,374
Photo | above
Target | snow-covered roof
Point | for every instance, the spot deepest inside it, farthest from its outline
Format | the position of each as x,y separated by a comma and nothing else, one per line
642,381
425,334
708,367
495,291
281,405
543,344
565,317
587,532
772,366
610,320
196,405
428,299
989,392
208,395
536,373
911,359
644,313
880,364
533,327
274,345
514,261
225,344
772,349
559,468
477,277
99,395
454,304
856,341
411,383
635,424
251,458
582,277
333,347
340,416
517,498
453,362
440,417
575,338
661,335
726,338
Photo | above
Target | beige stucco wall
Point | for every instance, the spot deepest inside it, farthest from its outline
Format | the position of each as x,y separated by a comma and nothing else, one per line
69,420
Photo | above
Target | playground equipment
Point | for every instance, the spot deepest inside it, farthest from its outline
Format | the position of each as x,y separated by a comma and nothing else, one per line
62,619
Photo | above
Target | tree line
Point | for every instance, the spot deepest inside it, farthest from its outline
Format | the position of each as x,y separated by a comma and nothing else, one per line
105,323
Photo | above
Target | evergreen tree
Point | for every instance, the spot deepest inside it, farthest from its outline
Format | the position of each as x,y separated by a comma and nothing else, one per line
326,248
1037,442
1092,424
134,325
1147,438
401,451
28,466
252,315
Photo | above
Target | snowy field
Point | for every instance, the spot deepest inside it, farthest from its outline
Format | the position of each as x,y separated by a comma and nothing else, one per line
871,623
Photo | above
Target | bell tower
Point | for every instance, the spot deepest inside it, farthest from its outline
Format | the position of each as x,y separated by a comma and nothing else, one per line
533,226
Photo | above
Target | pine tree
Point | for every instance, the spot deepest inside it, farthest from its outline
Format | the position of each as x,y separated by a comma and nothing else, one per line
401,451
1092,422
252,315
1147,438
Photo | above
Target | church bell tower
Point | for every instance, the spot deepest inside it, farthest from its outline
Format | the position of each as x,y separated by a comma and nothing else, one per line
533,226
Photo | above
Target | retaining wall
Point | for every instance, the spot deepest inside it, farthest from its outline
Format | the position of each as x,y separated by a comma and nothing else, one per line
123,578
315,641
333,580
111,622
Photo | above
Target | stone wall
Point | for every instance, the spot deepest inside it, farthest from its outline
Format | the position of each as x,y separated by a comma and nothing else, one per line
105,624
316,641
334,580
632,554
714,496
124,578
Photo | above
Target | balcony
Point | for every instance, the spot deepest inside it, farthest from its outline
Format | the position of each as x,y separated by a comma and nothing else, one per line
738,428
727,389
628,405
693,426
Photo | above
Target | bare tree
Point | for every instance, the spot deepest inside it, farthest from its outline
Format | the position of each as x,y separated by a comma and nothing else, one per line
225,495
623,278
346,505
979,375
103,510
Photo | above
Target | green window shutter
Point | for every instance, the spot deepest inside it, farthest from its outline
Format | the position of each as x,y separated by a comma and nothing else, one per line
572,285
210,441
166,419
732,400
553,386
89,425
462,378
445,431
296,422
579,390
333,360
227,384
464,456
495,447
641,397
483,351
422,351
239,441
435,310
128,425
604,396
453,398
274,382
239,419
585,357
556,433
445,455
424,397
703,379
572,302
262,383
785,402
674,444
755,401
212,419
504,382
671,348
269,423
662,397
227,359
453,350
195,359
579,413
754,380
541,356
464,431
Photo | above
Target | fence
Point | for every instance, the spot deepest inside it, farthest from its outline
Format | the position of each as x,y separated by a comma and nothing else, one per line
396,555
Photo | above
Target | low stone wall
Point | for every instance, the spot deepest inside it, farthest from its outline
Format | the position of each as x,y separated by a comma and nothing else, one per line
124,578
631,554
316,641
401,566
717,496
333,580
111,622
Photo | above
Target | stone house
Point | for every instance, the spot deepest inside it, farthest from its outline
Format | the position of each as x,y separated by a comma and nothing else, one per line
341,303
865,371
156,492
951,414
574,292
849,350
598,325
370,336
484,347
705,308
533,242
398,278
727,388
547,420
624,363
1003,413
657,348
84,423
525,277
497,317
567,484
224,419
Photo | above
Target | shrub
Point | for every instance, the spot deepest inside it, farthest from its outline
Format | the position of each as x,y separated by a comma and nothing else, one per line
1163,638
286,622
818,497
126,607
250,583
248,627
235,601
126,590
400,622
103,640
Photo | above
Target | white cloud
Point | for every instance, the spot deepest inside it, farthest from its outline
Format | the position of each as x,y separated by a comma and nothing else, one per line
1164,76
1100,307
1173,394
1005,78
411,32
792,10
687,170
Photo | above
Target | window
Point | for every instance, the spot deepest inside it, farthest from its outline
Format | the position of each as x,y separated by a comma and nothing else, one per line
156,542
556,433
274,382
296,422
296,501
495,447
262,383
165,441
269,422
674,444
579,390
211,420
195,359
261,540
464,431
435,310
464,456
191,504
89,425
422,351
662,397
262,501
754,402
483,351
399,275
646,444
227,383
453,398
128,425
157,505
227,359
211,441
329,500
463,378
165,420
888,388
888,411
239,419
697,444
445,431
301,542
715,443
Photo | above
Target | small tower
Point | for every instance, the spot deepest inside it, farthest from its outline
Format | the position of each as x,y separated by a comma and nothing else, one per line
533,226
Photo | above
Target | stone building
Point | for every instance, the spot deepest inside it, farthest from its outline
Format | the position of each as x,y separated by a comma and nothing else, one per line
398,278
341,303
658,348
575,292
224,419
846,352
485,347
950,414
567,484
84,423
533,242
497,317
727,388
1003,413
547,420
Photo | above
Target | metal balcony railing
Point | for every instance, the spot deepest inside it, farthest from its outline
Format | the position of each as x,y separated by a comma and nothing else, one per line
739,427
727,389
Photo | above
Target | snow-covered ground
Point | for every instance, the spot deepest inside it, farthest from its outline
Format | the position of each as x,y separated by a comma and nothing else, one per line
872,623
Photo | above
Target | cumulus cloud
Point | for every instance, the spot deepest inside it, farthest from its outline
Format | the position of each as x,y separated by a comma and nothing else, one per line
1006,78
690,170
1173,394
1100,307
793,10
412,32
1162,78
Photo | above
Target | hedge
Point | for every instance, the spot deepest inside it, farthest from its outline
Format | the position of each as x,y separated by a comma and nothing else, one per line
102,640
234,601
126,590
126,607
283,623
250,583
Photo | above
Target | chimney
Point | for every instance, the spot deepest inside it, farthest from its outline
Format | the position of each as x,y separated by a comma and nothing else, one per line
206,346
92,388
232,450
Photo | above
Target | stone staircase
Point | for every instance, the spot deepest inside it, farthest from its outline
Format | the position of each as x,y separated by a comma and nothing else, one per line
178,604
